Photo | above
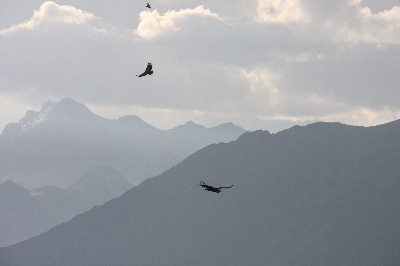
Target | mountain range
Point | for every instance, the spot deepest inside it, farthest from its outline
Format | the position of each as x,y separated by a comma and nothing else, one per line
58,144
20,215
321,194
27,213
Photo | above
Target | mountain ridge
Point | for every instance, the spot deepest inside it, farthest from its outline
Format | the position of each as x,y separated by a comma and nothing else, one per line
67,108
27,213
56,145
323,194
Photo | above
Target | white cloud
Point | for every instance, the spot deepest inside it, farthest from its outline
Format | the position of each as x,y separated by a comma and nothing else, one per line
363,116
51,13
238,68
153,25
357,116
267,96
263,92
280,12
363,26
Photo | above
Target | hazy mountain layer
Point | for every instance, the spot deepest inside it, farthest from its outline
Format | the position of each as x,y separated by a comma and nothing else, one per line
20,216
323,194
62,141
101,184
24,213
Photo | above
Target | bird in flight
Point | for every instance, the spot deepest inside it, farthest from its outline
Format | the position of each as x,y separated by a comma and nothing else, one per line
211,188
148,70
148,5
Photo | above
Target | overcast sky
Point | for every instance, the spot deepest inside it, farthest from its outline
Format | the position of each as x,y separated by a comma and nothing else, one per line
261,64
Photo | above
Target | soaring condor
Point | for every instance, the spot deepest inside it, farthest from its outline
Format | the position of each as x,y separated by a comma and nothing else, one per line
148,71
211,188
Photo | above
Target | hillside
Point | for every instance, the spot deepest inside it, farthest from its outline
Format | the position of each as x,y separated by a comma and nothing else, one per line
21,217
322,194
101,184
26,213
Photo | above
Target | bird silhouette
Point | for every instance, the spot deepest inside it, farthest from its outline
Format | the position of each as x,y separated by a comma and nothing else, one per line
211,188
148,70
148,5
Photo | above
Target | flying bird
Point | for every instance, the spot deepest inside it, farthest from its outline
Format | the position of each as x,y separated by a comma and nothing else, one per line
211,188
148,5
148,70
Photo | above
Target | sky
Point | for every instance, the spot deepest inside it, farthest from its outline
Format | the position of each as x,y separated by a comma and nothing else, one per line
261,64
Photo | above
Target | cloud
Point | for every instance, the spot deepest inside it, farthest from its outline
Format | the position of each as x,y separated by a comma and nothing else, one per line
363,116
153,25
248,65
361,25
51,13
357,116
268,97
263,93
280,12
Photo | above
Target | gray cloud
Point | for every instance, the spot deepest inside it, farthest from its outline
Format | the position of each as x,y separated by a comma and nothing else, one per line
269,62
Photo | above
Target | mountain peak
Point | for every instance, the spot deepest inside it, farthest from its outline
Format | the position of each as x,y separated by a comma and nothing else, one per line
103,181
9,189
132,120
65,109
100,178
190,125
229,126
68,108
63,104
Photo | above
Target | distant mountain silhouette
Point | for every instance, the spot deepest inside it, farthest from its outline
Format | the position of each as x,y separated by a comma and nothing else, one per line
21,217
61,204
25,213
101,184
56,145
190,137
322,194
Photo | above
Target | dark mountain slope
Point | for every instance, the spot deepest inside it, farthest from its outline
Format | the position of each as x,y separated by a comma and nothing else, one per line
323,194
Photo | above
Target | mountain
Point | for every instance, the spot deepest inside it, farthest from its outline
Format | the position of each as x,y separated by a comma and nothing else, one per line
101,184
134,128
63,140
27,213
321,194
190,137
21,217
60,204
56,145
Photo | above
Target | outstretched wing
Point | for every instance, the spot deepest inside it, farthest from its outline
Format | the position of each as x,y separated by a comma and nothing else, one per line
143,74
205,185
225,187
